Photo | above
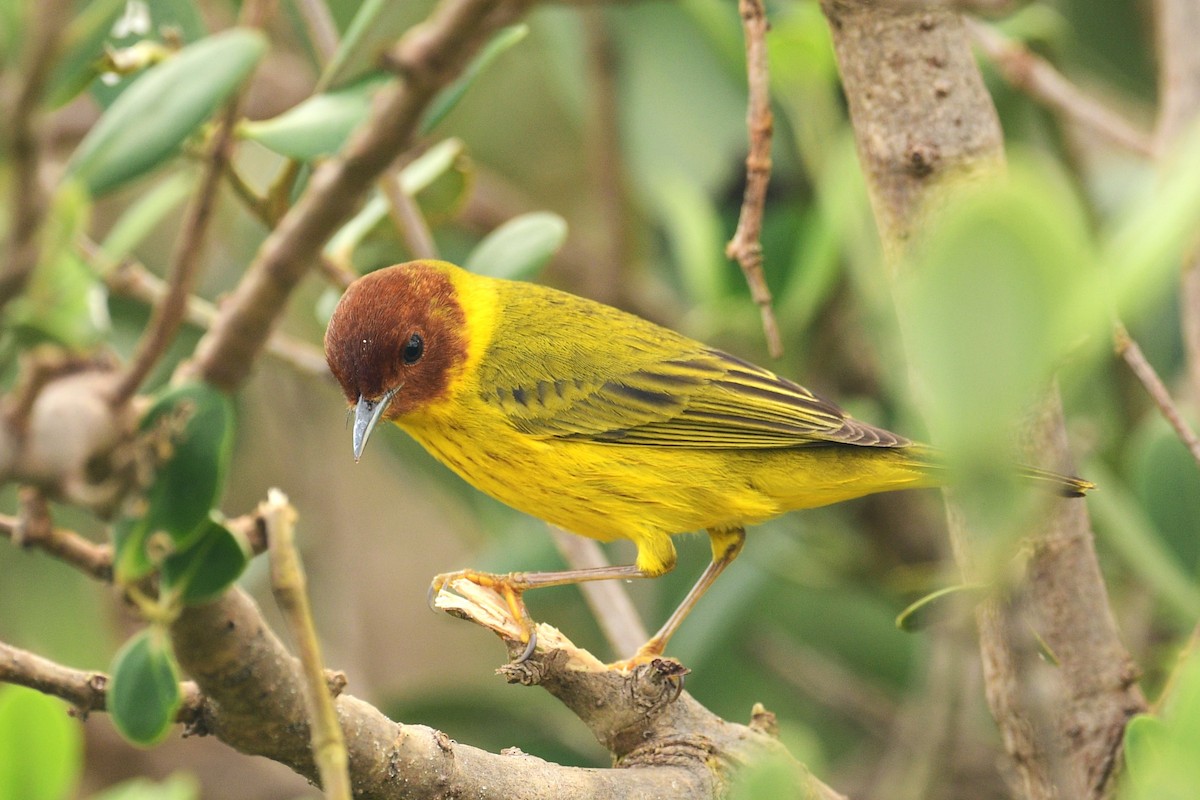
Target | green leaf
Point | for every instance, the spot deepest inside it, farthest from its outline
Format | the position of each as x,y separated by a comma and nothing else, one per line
919,614
41,747
519,247
143,688
1160,752
320,125
208,566
985,303
430,169
196,423
85,37
1145,742
504,39
375,28
191,427
149,122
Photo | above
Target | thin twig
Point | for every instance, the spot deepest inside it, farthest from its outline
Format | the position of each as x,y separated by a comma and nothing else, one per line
406,216
1132,354
185,261
29,200
85,691
85,555
1177,25
96,559
291,594
609,601
1041,81
745,246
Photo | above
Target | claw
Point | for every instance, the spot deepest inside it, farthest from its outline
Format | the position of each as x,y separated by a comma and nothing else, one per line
530,647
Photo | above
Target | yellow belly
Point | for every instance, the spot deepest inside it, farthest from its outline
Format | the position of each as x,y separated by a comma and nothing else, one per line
646,494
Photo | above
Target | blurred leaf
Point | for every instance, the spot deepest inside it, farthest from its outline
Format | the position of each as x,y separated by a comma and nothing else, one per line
375,28
1164,477
1122,523
320,125
84,43
518,248
694,234
503,39
983,302
432,167
423,171
1160,752
775,777
1146,742
148,25
143,688
178,786
921,613
131,560
63,301
146,213
208,566
682,113
41,746
1142,252
1038,25
149,121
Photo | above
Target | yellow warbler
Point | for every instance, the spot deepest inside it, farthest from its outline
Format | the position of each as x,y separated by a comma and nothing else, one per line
600,422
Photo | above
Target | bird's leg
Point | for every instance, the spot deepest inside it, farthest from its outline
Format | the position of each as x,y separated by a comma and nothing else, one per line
515,584
726,544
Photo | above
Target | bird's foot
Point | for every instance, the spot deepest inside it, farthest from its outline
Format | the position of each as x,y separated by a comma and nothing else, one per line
508,587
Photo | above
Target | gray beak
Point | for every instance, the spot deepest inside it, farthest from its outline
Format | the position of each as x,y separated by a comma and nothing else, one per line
366,415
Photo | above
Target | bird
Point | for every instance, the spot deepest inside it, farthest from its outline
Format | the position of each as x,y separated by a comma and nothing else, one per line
602,423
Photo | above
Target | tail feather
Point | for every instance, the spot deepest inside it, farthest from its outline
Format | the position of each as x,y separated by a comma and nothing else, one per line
1063,485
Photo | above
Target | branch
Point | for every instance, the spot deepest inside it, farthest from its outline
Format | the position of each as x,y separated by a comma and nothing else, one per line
1129,350
920,112
95,560
189,247
85,691
1040,80
428,58
665,751
1177,24
745,246
291,594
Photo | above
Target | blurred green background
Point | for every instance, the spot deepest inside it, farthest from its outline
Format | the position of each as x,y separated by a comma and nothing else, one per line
628,122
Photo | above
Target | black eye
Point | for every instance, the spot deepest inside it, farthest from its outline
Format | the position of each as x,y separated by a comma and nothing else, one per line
413,349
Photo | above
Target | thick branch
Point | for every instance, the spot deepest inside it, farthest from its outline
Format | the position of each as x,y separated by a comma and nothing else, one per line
219,644
1178,26
428,58
920,111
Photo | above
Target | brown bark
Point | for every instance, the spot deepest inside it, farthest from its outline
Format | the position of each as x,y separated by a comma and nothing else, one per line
920,113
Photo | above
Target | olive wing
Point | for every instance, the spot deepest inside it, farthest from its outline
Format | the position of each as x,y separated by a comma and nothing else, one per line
607,376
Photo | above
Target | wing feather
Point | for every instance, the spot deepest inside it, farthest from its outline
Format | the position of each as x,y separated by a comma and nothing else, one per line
622,380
